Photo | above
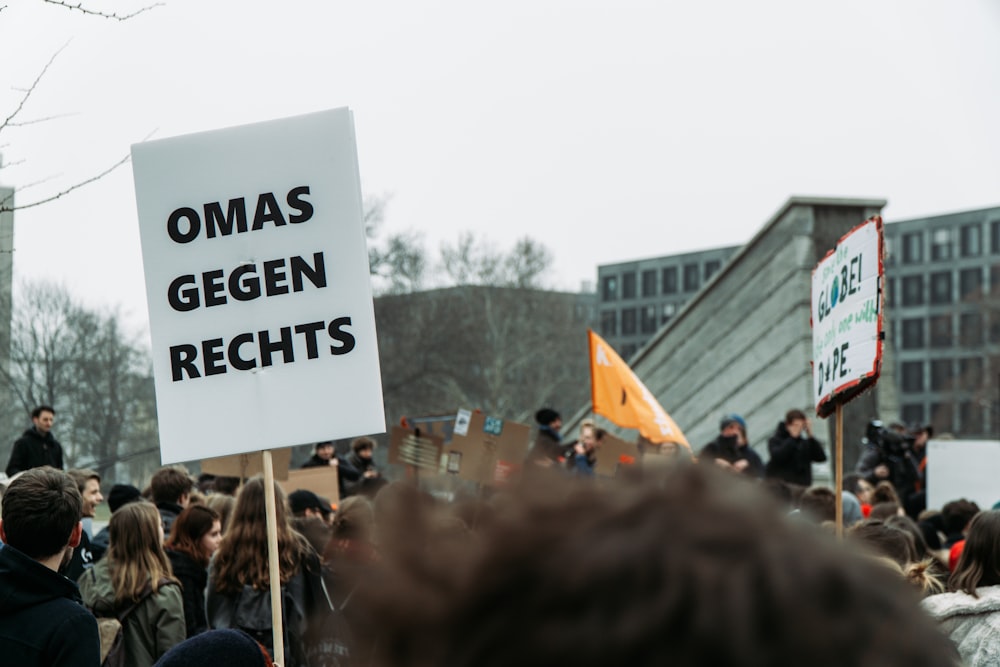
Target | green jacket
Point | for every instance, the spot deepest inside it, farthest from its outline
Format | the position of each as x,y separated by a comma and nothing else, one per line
156,626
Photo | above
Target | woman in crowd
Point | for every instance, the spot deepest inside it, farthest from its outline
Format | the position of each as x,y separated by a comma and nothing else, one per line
238,593
135,576
970,612
195,536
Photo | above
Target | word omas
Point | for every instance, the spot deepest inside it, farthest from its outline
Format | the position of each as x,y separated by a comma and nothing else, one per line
184,224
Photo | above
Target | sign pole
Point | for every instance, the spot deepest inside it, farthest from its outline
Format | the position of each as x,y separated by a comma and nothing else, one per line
274,569
838,474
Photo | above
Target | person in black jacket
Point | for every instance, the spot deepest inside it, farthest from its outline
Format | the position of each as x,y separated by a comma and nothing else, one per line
42,619
195,536
731,450
793,450
37,446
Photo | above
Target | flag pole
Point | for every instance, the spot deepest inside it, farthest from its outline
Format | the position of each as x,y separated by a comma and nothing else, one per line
838,474
274,569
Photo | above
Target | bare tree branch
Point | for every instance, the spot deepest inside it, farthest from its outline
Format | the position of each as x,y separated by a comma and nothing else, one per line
27,92
4,208
93,12
35,121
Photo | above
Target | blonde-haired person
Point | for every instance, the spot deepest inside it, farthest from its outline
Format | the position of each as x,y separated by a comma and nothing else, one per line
136,572
238,594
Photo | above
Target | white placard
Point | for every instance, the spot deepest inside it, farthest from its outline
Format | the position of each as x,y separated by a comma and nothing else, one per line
847,317
258,284
963,469
462,420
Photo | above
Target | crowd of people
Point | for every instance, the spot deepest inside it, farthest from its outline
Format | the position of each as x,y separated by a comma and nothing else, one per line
716,558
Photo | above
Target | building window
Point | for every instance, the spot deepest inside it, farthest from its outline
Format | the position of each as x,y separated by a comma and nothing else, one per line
941,245
943,416
995,236
628,285
609,288
995,278
647,321
628,351
913,248
994,330
970,374
711,267
970,329
913,413
913,290
971,240
690,277
890,247
971,415
628,321
669,310
609,323
913,376
970,282
890,290
941,331
649,283
941,287
913,334
941,375
670,280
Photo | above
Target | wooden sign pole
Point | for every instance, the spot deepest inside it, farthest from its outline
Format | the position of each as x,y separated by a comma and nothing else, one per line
274,569
838,472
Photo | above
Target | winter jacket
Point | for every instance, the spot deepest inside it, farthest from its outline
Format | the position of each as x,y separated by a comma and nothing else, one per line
547,446
792,458
168,514
973,624
193,577
156,625
42,620
34,450
727,449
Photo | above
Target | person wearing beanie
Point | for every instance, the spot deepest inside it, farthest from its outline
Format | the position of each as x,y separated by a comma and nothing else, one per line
219,648
547,448
120,494
730,449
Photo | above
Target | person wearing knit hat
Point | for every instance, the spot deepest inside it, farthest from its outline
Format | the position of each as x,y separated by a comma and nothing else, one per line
547,448
218,648
120,494
731,450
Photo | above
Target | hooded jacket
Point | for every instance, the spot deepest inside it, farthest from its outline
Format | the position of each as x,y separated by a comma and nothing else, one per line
973,624
34,450
792,458
156,625
193,577
42,622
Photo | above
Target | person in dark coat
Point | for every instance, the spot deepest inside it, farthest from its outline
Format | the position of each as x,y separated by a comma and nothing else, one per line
42,619
358,472
731,450
547,448
793,450
37,446
196,535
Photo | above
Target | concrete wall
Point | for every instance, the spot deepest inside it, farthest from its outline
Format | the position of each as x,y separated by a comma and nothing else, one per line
743,344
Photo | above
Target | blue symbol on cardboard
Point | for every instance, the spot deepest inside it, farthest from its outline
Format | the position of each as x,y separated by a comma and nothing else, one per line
493,426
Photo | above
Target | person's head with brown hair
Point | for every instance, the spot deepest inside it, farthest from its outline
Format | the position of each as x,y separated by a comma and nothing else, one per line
171,484
89,484
819,504
879,539
196,532
223,504
135,552
353,528
885,492
957,516
41,513
364,447
979,564
883,511
239,561
693,568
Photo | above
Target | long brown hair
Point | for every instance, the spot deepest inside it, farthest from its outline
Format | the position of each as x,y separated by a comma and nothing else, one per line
135,553
189,527
242,556
979,564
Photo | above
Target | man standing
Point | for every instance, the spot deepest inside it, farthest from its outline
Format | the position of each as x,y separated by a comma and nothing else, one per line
793,450
322,456
42,619
547,448
358,473
731,450
37,447
171,487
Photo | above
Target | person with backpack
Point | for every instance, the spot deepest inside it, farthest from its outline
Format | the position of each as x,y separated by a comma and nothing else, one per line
239,595
134,584
194,538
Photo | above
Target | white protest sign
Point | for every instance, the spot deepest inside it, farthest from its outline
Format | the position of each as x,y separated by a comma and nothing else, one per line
847,317
257,278
963,469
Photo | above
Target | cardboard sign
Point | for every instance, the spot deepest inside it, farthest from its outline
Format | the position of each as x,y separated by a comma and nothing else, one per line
321,481
406,448
847,317
962,469
491,451
246,466
614,453
258,287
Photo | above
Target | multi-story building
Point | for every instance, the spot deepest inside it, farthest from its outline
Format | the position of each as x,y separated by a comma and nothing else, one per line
943,311
636,298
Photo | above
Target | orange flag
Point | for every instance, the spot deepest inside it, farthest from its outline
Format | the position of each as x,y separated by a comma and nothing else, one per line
620,396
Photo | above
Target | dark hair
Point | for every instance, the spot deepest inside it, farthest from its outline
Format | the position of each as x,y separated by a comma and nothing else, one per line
226,485
361,444
189,527
909,526
169,484
819,504
885,492
885,540
37,412
40,509
648,574
884,510
979,564
794,415
852,483
81,476
957,514
325,443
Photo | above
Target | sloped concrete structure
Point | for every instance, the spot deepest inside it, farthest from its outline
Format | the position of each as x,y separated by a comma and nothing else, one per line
744,343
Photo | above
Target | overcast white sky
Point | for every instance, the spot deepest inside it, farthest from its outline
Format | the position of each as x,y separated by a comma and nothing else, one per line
606,130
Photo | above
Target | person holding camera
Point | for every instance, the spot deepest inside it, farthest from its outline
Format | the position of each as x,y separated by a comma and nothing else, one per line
888,456
793,450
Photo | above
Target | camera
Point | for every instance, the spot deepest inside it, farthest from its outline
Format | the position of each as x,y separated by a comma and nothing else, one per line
890,443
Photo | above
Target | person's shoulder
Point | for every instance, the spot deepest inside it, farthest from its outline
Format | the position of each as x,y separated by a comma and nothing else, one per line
946,605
